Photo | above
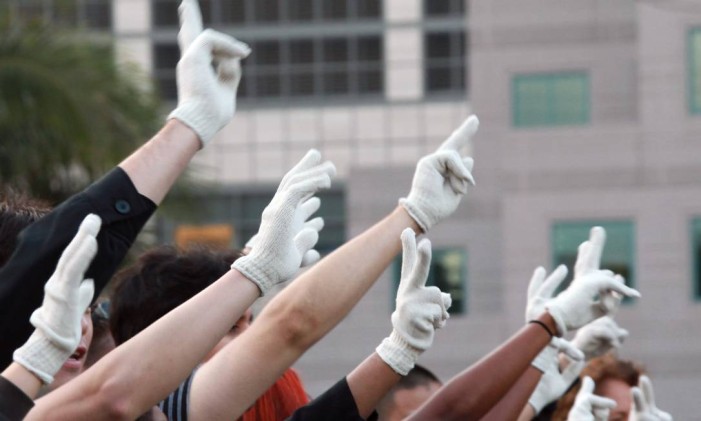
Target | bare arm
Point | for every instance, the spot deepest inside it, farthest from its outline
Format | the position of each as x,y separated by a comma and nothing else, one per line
116,387
369,382
511,406
24,379
471,394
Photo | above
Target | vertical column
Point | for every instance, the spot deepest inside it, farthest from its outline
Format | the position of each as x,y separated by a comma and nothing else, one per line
403,49
131,23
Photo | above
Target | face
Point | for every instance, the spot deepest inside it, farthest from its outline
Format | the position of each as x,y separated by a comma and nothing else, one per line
619,391
76,362
241,324
406,401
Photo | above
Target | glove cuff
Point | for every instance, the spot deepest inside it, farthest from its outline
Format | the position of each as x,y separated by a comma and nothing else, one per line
545,359
256,273
416,214
557,314
41,356
192,116
397,353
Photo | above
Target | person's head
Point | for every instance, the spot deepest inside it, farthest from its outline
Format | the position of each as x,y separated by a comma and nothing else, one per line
17,212
408,395
161,280
280,400
614,379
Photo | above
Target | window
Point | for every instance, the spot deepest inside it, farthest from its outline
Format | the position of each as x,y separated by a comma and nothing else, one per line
321,67
231,219
444,8
165,58
270,12
696,256
618,254
444,58
550,99
694,57
93,14
447,272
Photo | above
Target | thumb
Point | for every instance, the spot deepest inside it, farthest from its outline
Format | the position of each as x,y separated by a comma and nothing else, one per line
85,294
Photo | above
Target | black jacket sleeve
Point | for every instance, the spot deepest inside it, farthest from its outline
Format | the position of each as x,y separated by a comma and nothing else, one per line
14,404
336,404
123,211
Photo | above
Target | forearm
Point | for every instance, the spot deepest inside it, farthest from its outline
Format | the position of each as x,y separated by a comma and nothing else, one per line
24,379
512,404
167,350
471,394
293,321
369,382
155,166
527,413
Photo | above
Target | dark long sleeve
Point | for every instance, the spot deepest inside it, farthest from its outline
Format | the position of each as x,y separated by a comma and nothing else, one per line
14,404
123,211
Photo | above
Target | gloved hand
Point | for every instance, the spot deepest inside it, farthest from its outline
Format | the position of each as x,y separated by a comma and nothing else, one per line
441,179
644,408
553,384
588,406
599,337
420,309
208,74
308,208
541,290
589,261
66,297
284,238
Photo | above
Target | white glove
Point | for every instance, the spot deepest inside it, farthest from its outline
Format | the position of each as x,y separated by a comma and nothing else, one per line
420,309
441,179
589,261
308,208
599,337
66,297
644,408
284,238
553,384
208,74
541,290
588,406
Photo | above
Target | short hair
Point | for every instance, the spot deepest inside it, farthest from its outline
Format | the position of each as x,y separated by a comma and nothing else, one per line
161,280
608,366
17,212
419,376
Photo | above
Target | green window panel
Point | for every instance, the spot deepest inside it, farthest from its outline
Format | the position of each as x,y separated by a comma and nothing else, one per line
448,272
694,63
696,256
550,99
619,251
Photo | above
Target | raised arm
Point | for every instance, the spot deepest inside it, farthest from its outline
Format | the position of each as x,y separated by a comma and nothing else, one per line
321,297
127,196
169,349
57,324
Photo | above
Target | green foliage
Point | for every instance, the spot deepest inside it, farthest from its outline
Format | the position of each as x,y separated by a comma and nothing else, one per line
68,111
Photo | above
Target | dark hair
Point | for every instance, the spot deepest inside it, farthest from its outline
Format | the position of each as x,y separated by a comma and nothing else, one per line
160,280
599,369
17,212
419,376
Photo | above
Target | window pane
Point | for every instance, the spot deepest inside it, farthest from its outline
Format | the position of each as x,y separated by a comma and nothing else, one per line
370,81
447,272
334,9
266,10
268,85
301,84
694,51
232,11
550,99
438,78
618,255
696,250
301,51
167,87
98,14
335,83
166,56
368,9
369,48
265,53
437,7
165,13
335,50
438,45
300,10
65,12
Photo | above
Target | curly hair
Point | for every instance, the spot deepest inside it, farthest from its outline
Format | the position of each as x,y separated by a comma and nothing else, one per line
17,212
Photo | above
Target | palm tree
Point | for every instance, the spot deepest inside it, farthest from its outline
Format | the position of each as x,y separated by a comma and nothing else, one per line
68,111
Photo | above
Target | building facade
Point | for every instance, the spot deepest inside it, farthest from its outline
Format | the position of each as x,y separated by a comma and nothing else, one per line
590,114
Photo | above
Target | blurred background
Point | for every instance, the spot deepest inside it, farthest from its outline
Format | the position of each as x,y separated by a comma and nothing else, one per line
590,115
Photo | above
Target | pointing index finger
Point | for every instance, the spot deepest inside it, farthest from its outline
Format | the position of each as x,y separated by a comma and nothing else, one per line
190,23
462,135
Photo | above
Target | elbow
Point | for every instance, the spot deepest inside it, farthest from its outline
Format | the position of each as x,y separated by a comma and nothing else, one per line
298,325
114,403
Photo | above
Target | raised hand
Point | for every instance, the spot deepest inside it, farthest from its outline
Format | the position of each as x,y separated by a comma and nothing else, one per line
599,337
589,261
542,289
553,384
588,406
420,309
644,403
66,297
441,179
208,74
285,238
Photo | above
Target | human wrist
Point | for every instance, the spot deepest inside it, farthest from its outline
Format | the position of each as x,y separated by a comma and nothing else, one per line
549,324
396,352
41,356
